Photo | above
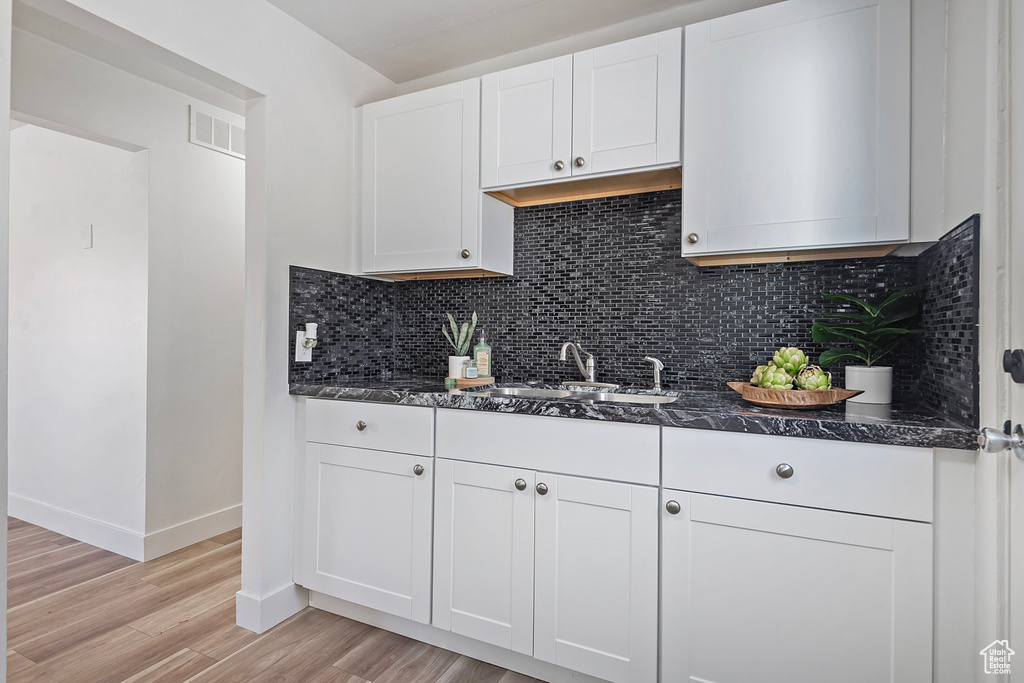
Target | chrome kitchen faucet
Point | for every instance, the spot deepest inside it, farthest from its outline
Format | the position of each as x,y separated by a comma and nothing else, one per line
589,371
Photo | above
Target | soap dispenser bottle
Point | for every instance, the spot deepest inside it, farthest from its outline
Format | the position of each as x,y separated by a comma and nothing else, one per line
482,356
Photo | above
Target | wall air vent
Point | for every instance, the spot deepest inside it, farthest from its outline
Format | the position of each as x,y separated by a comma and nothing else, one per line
216,134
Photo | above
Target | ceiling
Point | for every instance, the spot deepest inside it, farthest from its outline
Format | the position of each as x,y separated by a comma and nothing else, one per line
407,39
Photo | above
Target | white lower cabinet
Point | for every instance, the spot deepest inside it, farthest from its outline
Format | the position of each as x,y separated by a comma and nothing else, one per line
596,594
372,520
367,512
757,591
561,567
764,591
763,559
483,553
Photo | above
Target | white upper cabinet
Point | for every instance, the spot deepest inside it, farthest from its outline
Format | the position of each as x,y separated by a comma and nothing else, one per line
422,209
796,127
602,111
626,101
527,123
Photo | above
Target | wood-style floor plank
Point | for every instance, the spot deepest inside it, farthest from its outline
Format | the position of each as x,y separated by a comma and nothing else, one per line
332,675
81,614
63,573
467,670
17,662
88,661
372,657
29,547
220,637
316,654
421,664
177,668
515,677
228,537
264,652
174,613
220,561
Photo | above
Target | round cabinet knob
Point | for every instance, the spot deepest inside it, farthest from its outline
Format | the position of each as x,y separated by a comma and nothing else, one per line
559,165
693,238
520,484
542,488
360,425
673,507
785,471
417,470
580,162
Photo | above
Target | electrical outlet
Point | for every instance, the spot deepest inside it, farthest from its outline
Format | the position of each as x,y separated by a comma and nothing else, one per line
302,354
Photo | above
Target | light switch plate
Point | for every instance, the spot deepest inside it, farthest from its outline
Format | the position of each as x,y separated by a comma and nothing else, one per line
302,354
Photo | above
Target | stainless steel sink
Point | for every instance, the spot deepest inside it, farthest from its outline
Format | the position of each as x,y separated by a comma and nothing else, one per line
591,385
648,399
586,396
526,392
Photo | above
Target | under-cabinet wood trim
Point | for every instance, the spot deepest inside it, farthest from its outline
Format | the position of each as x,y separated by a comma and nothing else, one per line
440,274
869,251
592,188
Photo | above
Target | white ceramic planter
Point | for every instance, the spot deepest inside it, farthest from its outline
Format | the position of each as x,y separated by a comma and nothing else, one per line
875,382
455,364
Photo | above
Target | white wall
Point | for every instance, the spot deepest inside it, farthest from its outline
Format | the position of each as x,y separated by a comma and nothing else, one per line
299,210
78,332
196,282
5,90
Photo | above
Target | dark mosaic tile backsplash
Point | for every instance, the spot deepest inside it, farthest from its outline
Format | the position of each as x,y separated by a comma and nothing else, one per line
605,272
356,334
949,364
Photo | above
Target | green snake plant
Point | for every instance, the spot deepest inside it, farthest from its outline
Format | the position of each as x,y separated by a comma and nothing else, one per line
460,337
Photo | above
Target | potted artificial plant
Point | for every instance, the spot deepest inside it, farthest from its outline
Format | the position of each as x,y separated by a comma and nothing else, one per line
459,338
869,332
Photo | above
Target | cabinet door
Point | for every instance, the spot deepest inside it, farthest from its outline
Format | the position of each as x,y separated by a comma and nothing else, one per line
596,605
526,123
372,520
421,180
626,104
796,129
765,592
483,560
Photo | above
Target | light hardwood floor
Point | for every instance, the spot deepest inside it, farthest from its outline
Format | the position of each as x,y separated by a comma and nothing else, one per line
78,613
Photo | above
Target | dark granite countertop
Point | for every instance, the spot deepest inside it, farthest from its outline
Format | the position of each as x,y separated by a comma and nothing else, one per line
901,425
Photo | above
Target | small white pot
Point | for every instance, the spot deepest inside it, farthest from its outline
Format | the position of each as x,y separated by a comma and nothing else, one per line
875,382
455,364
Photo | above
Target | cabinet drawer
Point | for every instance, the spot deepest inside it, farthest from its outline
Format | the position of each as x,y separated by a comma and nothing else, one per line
590,448
873,479
402,429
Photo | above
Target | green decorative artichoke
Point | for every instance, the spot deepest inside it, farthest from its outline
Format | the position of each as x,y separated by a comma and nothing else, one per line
755,379
813,378
775,378
791,359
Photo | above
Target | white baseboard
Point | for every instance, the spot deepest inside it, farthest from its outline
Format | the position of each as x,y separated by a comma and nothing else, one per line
94,532
485,652
185,534
141,547
261,614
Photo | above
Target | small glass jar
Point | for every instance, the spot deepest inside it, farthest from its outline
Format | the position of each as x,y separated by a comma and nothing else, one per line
469,369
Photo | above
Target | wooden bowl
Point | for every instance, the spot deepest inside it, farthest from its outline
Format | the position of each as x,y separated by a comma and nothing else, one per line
793,399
